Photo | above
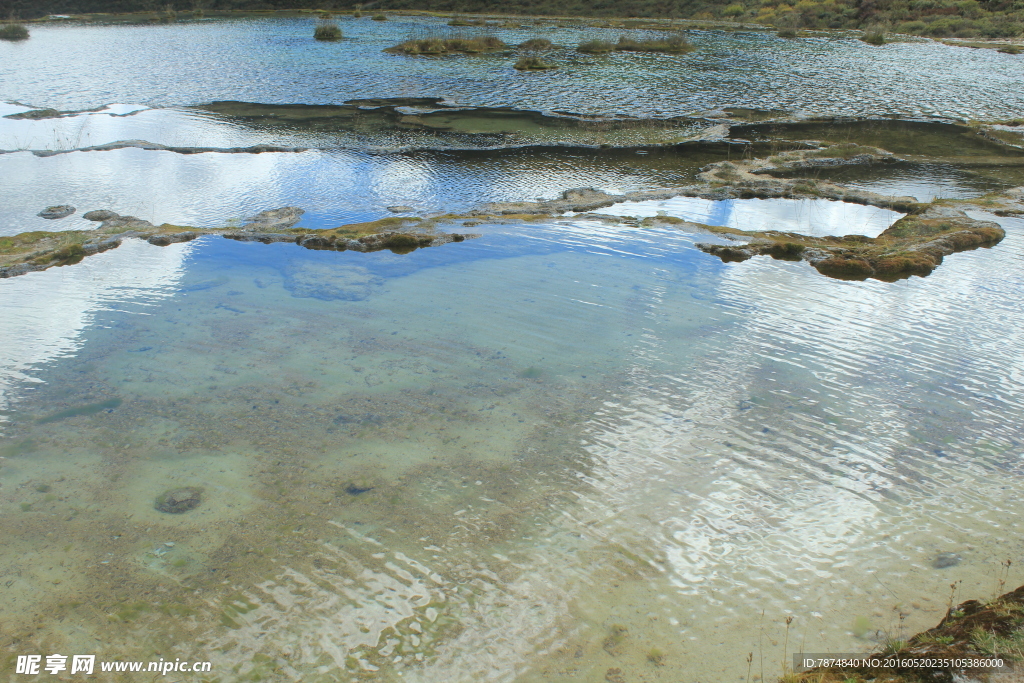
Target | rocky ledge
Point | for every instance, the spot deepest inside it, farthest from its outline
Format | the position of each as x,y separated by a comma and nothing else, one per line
914,245
34,251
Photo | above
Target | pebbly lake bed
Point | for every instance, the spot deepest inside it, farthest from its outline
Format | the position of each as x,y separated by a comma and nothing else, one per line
571,447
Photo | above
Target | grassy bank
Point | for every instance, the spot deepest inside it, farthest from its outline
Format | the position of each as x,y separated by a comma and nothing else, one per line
972,630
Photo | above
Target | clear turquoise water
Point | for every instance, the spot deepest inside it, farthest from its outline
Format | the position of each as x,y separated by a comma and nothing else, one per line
561,429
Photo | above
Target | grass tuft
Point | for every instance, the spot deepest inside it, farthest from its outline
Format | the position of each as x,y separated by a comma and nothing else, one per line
536,45
532,63
676,44
13,32
874,38
595,47
444,46
327,30
1009,646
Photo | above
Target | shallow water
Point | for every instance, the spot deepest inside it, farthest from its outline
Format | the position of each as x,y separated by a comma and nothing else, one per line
397,124
277,61
924,182
476,462
334,187
815,217
561,448
915,139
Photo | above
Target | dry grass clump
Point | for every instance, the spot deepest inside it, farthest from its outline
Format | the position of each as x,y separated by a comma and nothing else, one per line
327,30
13,32
595,47
444,46
459,21
532,63
536,45
677,44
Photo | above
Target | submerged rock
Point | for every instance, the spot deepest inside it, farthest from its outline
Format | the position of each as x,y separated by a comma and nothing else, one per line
943,560
357,487
400,208
329,282
59,211
177,501
615,643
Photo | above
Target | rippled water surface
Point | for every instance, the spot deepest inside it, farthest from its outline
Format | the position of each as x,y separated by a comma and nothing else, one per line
277,61
334,187
563,448
483,461
924,182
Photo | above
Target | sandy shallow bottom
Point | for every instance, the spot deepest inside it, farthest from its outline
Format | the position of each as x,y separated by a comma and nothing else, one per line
542,455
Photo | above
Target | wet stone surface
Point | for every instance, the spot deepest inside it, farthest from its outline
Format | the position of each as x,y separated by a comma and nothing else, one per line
99,215
54,212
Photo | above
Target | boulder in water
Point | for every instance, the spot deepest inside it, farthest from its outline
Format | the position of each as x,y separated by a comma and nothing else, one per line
59,211
99,215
